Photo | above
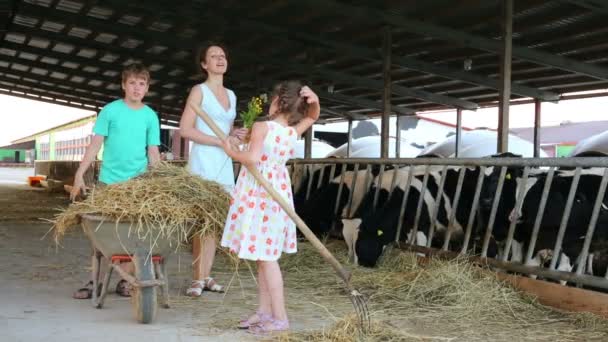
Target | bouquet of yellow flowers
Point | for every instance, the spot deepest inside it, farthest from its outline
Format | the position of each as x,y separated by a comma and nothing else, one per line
254,109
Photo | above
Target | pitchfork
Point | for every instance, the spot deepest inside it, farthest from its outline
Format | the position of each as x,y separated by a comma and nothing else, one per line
359,302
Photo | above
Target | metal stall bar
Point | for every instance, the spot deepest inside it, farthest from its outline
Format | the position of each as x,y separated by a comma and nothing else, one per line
377,191
398,136
473,213
498,193
437,205
387,92
353,185
321,174
448,231
406,192
506,55
565,218
518,204
393,182
332,171
349,141
425,180
539,215
338,196
458,131
368,176
507,161
537,107
592,223
310,169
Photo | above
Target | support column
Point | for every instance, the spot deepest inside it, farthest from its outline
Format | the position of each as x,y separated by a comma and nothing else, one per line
537,105
505,76
308,143
398,137
349,141
458,131
386,97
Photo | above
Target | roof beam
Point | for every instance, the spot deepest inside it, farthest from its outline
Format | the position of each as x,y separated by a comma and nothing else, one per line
364,103
397,89
101,48
404,62
466,39
77,92
370,83
92,62
594,5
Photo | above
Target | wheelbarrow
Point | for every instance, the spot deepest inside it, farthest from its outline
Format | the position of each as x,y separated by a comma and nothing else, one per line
118,242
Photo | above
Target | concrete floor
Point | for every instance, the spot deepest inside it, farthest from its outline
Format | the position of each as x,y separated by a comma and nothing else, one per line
15,175
37,279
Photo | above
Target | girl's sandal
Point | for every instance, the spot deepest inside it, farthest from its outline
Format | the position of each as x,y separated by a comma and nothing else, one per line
269,327
196,288
123,288
256,319
212,285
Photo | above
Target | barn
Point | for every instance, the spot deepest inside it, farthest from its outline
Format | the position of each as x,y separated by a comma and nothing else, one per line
539,218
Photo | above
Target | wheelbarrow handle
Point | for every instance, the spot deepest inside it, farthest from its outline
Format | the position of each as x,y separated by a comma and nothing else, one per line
325,253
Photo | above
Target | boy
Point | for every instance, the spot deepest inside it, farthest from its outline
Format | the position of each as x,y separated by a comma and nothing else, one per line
130,133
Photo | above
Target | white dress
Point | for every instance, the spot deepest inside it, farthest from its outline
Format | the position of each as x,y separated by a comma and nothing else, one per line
211,162
257,228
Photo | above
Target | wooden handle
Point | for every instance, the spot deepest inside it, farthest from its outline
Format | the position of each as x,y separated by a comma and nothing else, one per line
325,253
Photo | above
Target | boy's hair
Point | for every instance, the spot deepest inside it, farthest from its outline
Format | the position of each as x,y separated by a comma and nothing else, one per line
290,103
137,70
202,53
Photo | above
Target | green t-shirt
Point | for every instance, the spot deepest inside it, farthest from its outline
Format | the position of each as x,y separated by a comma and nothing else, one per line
128,133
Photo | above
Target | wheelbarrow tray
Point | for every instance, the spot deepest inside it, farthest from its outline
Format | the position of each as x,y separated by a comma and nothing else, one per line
113,238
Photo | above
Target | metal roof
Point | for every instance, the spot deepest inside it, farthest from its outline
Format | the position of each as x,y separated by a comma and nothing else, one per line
72,51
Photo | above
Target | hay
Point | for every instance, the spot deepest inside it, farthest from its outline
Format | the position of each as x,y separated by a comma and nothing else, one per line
438,301
167,199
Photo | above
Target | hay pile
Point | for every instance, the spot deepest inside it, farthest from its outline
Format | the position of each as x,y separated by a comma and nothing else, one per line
167,199
439,301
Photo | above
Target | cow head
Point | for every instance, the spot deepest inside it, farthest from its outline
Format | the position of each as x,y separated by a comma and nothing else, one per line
507,198
369,246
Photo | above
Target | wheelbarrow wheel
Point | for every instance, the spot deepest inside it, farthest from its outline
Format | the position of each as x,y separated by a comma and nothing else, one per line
144,298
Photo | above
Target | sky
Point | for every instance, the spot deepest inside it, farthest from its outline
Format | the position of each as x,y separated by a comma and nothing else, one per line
22,117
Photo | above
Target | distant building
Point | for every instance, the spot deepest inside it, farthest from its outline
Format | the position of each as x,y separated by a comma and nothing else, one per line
65,142
559,141
17,153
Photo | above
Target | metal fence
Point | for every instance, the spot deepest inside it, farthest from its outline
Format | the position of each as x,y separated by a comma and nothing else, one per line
549,167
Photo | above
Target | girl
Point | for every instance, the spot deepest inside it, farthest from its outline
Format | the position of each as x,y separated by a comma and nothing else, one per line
257,228
207,159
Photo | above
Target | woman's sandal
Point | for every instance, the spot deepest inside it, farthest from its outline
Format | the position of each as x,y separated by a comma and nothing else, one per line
212,285
123,288
269,327
256,319
196,288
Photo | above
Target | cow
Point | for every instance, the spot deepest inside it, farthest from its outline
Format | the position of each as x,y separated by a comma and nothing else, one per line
379,227
525,216
318,211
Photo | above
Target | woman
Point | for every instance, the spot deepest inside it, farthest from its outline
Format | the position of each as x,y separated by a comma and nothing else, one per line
207,158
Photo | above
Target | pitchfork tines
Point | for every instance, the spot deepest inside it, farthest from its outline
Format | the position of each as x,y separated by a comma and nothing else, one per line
360,304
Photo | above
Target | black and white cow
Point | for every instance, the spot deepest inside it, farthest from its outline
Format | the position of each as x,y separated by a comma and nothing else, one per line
378,227
525,216
318,211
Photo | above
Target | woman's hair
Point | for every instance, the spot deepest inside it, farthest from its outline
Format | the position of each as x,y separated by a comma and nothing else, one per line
289,101
202,53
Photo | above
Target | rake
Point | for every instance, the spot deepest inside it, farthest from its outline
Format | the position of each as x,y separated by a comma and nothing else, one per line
357,299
